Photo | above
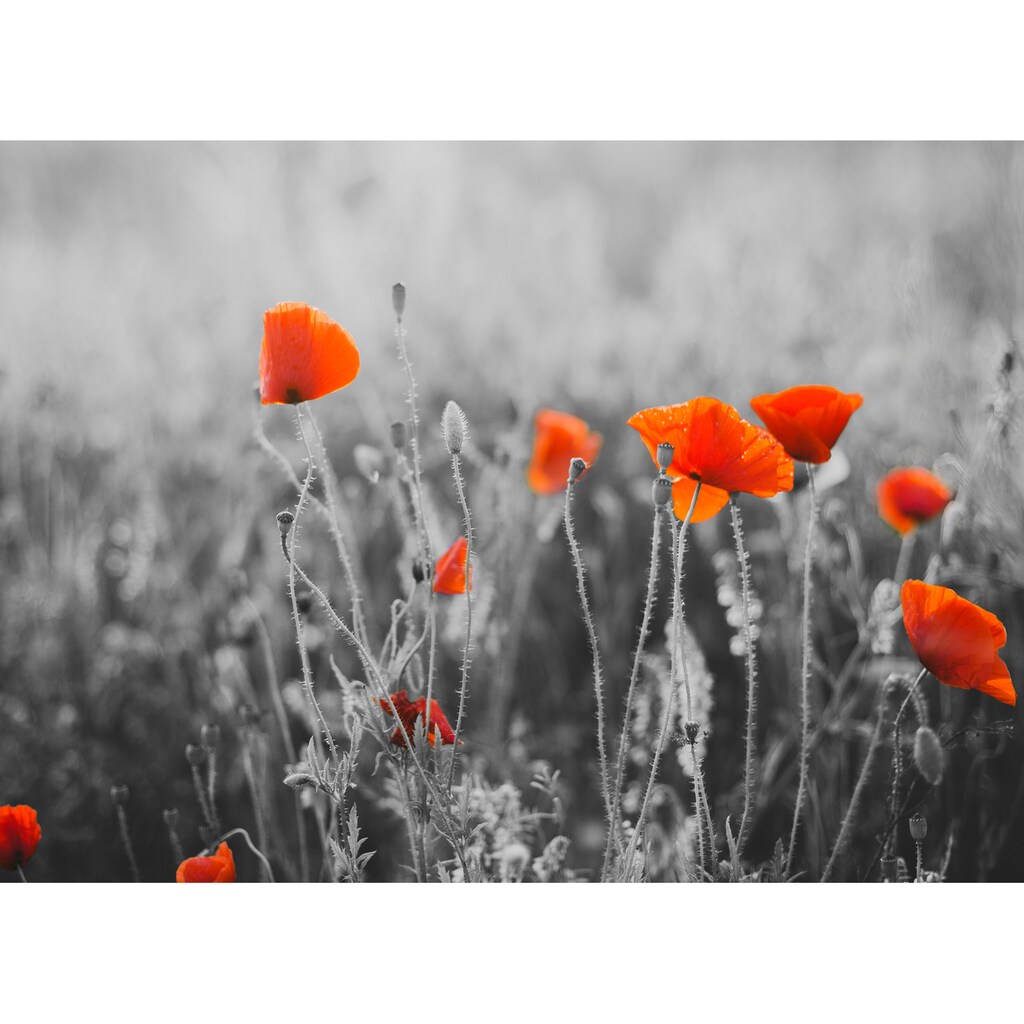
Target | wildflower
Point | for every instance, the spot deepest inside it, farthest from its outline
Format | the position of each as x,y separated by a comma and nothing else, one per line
909,496
452,575
714,446
807,419
409,711
559,437
305,355
956,640
218,868
19,836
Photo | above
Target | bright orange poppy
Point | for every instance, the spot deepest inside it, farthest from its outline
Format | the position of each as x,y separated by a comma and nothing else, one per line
956,640
559,438
218,868
908,496
408,711
713,444
450,572
19,835
807,419
305,355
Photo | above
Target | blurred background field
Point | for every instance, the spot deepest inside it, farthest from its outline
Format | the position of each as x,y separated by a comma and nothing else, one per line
596,279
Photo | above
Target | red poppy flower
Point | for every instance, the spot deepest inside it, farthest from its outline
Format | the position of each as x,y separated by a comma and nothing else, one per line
713,444
450,572
305,355
218,868
559,438
956,640
408,711
909,496
807,419
19,835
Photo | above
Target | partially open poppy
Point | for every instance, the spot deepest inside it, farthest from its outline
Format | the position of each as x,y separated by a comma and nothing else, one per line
19,835
908,496
956,640
408,711
450,572
558,439
807,419
305,355
714,445
218,868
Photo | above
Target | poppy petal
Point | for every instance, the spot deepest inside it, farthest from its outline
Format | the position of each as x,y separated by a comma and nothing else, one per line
559,437
909,496
450,573
710,501
807,419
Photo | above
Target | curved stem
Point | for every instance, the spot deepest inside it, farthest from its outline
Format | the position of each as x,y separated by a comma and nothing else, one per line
252,846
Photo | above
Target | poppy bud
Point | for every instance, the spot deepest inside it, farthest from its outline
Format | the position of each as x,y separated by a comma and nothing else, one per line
398,299
304,601
918,827
890,870
210,736
420,570
399,434
928,755
171,817
284,522
194,754
119,794
661,491
692,731
454,428
576,469
665,453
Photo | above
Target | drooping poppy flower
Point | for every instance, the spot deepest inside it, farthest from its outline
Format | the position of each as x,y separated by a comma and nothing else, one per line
408,711
218,868
305,355
956,640
558,439
908,496
807,419
19,835
713,444
450,572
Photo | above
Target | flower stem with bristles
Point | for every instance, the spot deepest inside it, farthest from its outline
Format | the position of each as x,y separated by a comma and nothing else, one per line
897,761
126,841
805,671
252,846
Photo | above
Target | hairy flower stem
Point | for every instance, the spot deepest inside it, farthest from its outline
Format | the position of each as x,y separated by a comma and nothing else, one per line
920,860
703,806
176,850
595,653
805,671
620,766
464,682
211,788
748,638
897,761
678,556
126,840
252,846
254,791
204,807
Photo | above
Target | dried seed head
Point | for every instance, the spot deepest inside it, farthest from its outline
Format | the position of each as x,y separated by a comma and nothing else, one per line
692,731
928,755
119,794
890,869
454,428
210,735
171,817
661,491
665,453
284,522
918,827
398,299
195,754
576,469
399,435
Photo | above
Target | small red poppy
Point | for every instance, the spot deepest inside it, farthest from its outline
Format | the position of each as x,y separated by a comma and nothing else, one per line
713,444
408,711
218,868
956,640
807,419
19,835
558,439
909,496
305,355
450,572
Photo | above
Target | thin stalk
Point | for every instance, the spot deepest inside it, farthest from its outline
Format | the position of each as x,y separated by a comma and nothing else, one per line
464,682
897,760
204,807
245,835
805,672
176,850
903,560
126,840
920,860
703,804
254,793
21,874
211,787
620,767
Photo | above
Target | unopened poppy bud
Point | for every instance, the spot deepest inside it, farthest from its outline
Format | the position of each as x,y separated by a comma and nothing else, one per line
304,601
194,754
210,735
661,491
398,299
918,827
692,731
119,794
454,428
928,755
890,869
576,469
399,435
665,453
284,522
171,817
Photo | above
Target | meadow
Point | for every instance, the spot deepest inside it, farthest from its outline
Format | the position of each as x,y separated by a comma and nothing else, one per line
150,596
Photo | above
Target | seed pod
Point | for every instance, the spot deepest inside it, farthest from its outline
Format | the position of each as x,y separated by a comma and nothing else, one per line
661,491
119,795
454,428
195,754
918,827
928,755
692,731
890,869
665,453
398,299
576,469
399,434
210,735
284,522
